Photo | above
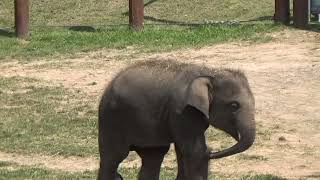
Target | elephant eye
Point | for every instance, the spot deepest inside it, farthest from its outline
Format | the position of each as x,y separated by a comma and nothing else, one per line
234,106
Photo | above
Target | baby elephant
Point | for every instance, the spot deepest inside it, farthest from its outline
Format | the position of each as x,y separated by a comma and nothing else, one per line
151,104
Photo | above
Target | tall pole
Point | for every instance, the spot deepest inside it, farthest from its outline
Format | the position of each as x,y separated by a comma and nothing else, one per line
21,8
136,14
282,11
300,13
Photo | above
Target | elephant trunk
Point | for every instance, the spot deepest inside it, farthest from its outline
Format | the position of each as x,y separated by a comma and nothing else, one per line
245,140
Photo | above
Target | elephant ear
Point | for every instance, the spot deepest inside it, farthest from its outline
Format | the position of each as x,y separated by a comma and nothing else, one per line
199,96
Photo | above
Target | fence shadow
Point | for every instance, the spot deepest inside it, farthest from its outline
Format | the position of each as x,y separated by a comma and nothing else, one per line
6,33
82,28
180,23
171,22
262,18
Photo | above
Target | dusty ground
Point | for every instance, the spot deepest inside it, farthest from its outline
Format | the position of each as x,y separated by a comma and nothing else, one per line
285,78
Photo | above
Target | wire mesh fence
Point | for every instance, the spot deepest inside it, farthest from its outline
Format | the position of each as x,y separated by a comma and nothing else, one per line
115,12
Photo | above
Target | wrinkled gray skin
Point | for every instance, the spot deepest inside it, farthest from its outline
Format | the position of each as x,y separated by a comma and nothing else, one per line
152,104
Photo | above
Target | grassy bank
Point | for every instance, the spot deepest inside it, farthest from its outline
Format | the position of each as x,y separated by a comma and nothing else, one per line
96,12
53,41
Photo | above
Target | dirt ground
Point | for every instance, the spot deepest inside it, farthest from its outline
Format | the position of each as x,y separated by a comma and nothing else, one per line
284,75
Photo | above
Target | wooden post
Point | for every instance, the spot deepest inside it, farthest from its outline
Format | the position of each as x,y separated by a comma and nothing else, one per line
136,13
282,11
300,13
21,8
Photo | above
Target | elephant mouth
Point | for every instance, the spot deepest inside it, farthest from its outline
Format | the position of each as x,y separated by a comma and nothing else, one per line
235,134
238,137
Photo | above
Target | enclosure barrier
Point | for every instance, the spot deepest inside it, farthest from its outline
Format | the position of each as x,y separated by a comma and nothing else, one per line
21,13
282,11
136,14
300,13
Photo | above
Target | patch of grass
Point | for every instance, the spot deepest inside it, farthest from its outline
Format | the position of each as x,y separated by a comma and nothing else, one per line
53,41
5,163
251,157
262,177
38,173
38,118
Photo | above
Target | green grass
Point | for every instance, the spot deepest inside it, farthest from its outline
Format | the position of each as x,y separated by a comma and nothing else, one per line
30,172
38,118
53,41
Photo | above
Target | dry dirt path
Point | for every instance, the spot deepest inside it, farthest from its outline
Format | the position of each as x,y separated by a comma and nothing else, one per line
285,77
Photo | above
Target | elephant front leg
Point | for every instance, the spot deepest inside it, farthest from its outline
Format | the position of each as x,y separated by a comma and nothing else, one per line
192,159
181,174
196,168
151,162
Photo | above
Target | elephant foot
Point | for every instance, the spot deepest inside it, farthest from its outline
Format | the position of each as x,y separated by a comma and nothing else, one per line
118,177
181,178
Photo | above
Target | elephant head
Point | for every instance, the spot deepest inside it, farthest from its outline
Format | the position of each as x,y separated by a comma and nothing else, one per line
227,103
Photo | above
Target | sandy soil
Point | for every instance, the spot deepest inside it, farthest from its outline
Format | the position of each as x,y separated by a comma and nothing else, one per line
284,75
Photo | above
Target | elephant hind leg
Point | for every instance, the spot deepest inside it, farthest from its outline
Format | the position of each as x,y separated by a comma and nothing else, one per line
109,162
151,162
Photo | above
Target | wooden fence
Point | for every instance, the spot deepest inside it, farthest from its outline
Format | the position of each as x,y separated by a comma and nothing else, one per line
136,14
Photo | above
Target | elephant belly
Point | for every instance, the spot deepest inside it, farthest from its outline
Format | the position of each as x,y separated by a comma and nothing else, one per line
148,132
135,127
